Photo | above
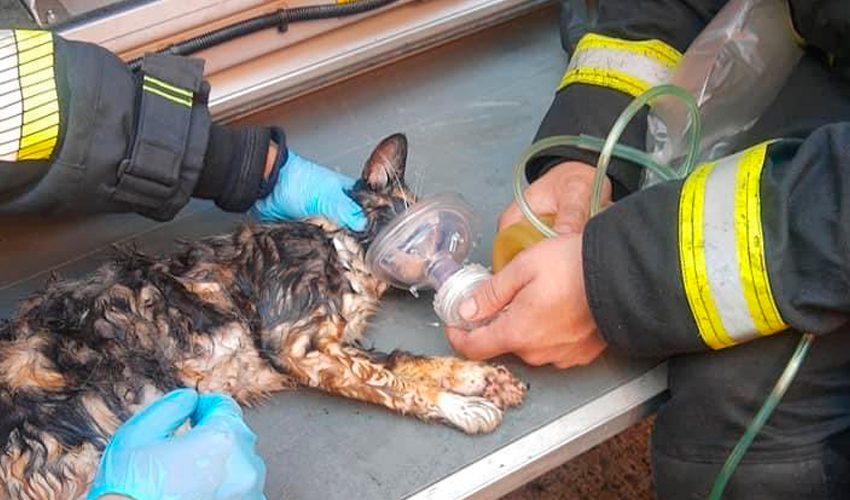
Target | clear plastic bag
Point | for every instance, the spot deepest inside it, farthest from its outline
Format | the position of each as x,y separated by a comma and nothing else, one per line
734,69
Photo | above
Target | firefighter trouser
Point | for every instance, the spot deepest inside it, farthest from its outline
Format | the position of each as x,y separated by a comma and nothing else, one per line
803,452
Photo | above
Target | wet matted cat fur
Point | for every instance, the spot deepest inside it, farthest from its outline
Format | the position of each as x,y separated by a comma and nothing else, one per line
264,308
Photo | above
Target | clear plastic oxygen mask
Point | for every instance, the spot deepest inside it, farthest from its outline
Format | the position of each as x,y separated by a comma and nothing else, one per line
426,248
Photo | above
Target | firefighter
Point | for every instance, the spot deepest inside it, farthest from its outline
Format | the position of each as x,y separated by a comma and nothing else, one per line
80,133
718,273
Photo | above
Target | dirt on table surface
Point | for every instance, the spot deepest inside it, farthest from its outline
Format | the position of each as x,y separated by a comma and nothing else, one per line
617,469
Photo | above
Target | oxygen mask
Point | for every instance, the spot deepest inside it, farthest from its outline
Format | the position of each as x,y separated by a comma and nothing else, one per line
426,247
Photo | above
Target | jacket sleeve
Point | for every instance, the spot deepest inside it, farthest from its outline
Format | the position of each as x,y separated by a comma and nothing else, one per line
746,246
82,133
630,47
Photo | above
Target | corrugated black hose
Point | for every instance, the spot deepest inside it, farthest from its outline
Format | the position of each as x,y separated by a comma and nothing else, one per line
279,19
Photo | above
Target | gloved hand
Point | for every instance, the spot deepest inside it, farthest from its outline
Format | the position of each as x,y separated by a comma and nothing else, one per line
306,189
214,460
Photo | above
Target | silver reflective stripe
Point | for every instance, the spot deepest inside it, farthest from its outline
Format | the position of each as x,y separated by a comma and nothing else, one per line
629,66
648,71
721,256
722,251
11,101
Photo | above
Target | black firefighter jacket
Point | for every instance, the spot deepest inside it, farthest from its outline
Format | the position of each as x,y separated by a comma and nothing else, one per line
80,132
746,246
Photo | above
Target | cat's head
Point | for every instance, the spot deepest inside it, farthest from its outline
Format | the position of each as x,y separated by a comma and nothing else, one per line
381,190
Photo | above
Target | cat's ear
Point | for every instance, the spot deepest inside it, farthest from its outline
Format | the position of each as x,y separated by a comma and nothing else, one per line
387,162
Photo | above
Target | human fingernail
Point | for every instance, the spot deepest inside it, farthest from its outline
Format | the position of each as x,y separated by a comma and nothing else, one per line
468,309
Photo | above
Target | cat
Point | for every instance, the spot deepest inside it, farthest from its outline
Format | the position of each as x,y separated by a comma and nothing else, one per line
265,308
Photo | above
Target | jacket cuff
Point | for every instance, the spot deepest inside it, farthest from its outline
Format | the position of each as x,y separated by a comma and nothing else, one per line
604,75
632,277
704,262
234,166
590,110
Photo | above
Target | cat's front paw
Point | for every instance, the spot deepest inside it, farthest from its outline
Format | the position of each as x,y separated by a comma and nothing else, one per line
472,414
503,389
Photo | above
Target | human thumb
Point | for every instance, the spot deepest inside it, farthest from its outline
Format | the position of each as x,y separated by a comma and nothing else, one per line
221,412
159,420
494,294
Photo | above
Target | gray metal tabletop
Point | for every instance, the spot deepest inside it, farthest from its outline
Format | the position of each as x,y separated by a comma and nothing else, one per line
468,109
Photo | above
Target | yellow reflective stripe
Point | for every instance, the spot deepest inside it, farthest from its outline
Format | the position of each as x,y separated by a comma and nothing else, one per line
611,79
36,52
37,138
628,66
750,243
653,49
176,90
722,251
30,39
33,93
165,95
34,128
34,67
25,35
40,149
167,91
693,263
29,79
36,122
47,108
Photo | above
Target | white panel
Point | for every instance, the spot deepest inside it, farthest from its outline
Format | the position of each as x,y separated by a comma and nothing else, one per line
10,107
8,57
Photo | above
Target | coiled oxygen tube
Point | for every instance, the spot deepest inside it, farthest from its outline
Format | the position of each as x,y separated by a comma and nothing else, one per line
610,147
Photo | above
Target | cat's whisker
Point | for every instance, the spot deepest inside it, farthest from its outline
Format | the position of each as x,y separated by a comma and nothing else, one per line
418,184
399,184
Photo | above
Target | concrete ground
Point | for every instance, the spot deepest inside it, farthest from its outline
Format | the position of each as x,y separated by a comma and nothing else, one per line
617,469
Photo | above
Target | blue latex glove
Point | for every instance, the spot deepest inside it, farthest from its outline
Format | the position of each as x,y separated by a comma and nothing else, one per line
214,460
306,189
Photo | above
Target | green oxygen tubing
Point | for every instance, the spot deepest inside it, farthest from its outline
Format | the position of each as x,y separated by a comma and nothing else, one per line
608,148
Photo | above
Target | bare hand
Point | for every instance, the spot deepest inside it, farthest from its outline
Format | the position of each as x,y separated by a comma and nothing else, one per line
565,192
540,307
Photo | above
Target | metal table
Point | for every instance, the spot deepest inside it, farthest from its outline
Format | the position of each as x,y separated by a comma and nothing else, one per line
14,15
468,109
